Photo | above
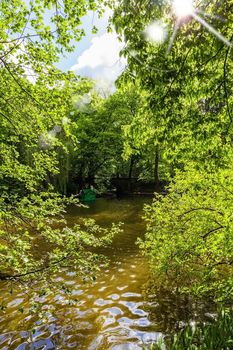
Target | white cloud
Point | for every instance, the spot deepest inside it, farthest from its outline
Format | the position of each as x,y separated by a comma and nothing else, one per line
101,61
104,51
17,56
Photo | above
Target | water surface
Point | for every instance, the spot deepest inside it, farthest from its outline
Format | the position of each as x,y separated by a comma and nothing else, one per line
118,311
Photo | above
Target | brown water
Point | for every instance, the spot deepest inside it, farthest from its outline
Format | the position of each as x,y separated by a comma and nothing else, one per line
119,311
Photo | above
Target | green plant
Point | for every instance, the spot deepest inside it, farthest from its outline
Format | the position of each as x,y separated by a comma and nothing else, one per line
209,336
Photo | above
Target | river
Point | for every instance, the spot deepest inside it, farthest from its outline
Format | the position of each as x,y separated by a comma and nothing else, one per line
118,311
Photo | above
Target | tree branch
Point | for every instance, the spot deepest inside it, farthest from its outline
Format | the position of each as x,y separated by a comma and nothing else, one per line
4,277
211,231
200,208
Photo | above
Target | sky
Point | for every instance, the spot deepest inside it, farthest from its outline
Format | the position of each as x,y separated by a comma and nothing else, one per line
97,55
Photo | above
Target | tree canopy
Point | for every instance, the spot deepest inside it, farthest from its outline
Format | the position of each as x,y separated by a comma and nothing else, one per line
190,106
36,134
170,117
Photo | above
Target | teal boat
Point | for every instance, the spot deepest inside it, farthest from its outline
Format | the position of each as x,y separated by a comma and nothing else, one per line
88,195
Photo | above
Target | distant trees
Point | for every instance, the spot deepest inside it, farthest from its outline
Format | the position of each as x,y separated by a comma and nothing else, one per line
101,133
118,137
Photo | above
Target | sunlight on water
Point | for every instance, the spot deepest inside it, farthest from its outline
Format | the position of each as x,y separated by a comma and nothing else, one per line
118,311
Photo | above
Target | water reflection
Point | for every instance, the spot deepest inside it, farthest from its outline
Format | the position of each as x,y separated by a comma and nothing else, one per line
120,310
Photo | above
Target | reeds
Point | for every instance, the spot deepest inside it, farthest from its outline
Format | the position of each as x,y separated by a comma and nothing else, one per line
205,336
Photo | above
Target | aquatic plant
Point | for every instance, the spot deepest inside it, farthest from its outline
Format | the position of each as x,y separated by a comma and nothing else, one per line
210,336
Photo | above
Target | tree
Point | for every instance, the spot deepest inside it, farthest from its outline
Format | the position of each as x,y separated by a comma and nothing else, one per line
180,100
190,94
100,133
36,132
189,233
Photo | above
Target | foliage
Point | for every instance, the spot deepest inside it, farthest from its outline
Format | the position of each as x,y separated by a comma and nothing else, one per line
100,125
189,98
189,233
164,110
35,243
36,136
211,336
39,31
33,141
190,118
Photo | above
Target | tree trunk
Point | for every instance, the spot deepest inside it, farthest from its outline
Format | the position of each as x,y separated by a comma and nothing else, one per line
156,168
132,161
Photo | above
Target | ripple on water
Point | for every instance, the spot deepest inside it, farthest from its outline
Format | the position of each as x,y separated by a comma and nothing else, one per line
96,343
106,321
114,296
77,292
58,279
16,302
82,326
90,296
125,321
24,334
102,302
142,322
125,346
71,273
121,270
87,313
122,287
45,343
60,299
140,312
42,331
70,282
114,311
131,304
108,314
5,339
131,295
149,337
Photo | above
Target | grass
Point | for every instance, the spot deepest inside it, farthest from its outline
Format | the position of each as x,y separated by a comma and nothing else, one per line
212,336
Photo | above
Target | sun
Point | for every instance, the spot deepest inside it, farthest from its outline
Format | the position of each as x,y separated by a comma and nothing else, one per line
183,8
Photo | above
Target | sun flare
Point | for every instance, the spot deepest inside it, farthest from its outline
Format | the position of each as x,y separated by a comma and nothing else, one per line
183,8
156,32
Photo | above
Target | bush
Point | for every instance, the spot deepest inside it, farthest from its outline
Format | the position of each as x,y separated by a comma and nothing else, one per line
189,237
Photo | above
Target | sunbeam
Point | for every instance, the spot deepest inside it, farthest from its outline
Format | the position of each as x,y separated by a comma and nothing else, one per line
211,29
205,14
133,54
172,39
184,10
